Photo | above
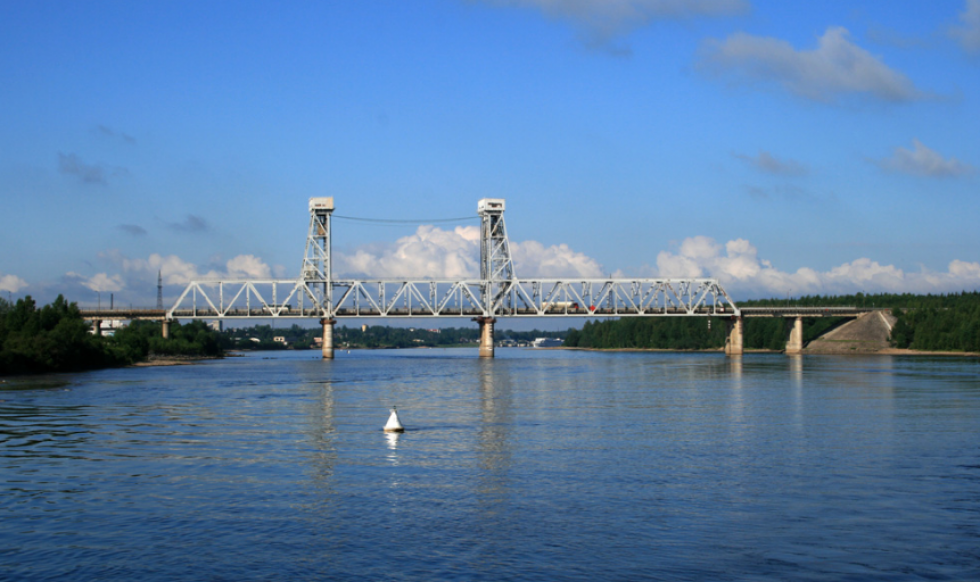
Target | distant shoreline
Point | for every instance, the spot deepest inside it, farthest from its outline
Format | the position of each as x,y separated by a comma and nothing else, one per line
174,360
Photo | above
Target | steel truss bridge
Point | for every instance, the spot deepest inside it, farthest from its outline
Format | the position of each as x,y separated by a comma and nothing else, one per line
497,293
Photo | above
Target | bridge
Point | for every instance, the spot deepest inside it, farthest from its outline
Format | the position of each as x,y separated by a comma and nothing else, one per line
497,293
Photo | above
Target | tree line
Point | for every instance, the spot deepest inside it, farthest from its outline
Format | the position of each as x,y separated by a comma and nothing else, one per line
55,338
946,322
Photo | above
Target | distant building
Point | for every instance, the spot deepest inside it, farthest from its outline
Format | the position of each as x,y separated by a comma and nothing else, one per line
279,339
216,325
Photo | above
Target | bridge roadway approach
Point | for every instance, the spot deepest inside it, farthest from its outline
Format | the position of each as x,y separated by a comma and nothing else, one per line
497,293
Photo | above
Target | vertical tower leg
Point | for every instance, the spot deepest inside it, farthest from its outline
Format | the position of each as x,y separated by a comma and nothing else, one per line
166,329
794,344
328,338
486,336
733,344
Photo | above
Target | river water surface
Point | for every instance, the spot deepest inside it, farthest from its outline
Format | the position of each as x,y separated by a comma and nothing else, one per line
537,465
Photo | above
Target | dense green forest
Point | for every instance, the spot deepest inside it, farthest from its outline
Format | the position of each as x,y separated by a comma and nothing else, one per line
55,338
925,322
261,337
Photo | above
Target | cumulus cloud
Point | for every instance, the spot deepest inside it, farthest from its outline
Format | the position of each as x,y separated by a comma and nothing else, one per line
132,229
102,282
836,68
434,253
11,283
922,161
602,20
766,162
191,223
176,271
968,34
740,270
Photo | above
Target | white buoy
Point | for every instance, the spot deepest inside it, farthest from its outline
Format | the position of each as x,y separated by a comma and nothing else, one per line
394,425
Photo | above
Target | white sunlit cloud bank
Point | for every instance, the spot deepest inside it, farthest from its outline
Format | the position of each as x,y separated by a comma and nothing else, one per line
435,253
738,267
11,283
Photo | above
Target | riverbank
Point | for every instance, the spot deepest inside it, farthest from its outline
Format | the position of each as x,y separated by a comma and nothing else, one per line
177,360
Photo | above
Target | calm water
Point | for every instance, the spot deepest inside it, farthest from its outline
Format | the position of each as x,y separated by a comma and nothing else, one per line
539,465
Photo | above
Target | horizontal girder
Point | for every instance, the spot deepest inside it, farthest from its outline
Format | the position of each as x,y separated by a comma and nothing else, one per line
466,298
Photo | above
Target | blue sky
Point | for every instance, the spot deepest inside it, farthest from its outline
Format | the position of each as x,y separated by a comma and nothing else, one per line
783,148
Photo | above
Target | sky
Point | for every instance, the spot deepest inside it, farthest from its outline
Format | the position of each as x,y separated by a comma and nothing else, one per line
783,148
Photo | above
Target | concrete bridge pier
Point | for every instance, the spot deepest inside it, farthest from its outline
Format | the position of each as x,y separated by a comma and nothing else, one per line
733,343
96,327
486,336
166,329
794,342
328,338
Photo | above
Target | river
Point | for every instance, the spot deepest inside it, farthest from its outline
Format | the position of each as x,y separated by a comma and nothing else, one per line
537,465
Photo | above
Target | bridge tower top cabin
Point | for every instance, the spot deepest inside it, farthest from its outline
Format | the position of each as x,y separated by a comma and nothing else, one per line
495,259
316,261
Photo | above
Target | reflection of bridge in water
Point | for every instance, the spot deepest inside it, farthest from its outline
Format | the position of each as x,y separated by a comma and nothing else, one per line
497,293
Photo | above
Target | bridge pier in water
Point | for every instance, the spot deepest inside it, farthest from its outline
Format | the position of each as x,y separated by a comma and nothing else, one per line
794,342
486,336
327,346
734,343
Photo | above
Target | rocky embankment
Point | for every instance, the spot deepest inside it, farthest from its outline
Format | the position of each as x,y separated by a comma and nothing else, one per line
867,334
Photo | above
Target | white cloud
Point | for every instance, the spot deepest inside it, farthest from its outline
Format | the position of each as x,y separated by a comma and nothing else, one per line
922,161
533,259
248,267
968,34
102,282
455,254
602,20
140,272
740,270
837,67
11,283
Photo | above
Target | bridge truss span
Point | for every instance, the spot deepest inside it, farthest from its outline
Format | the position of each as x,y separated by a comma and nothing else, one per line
464,298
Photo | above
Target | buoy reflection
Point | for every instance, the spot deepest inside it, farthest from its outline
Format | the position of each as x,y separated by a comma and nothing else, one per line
392,438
